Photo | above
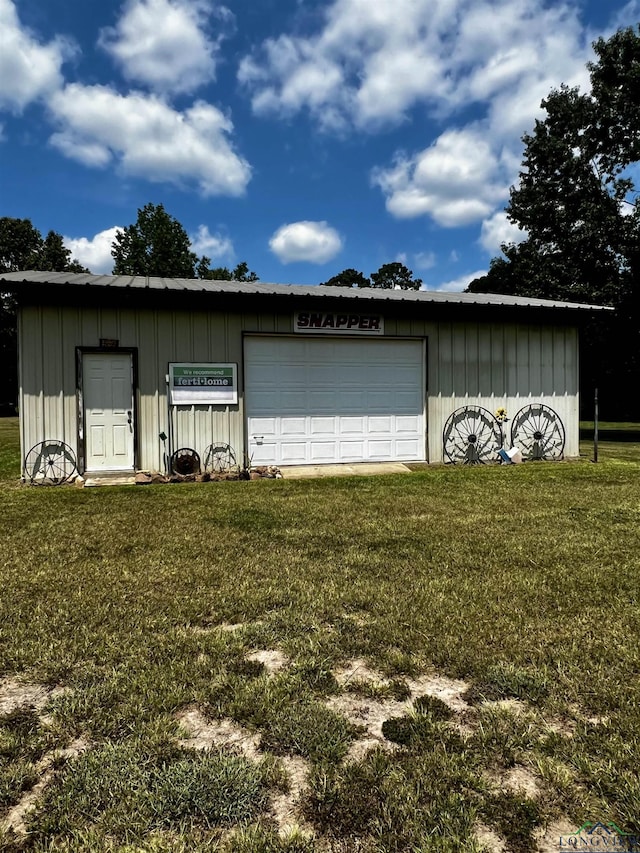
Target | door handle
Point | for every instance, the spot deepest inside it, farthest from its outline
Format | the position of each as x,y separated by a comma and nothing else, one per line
129,417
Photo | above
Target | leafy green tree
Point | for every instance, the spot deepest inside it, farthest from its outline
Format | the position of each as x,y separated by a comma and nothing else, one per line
156,244
22,248
576,200
348,278
240,273
20,244
395,276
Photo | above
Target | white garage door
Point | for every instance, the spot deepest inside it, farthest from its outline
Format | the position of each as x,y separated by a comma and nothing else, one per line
313,401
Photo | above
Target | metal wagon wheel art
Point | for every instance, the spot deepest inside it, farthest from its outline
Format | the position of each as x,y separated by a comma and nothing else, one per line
538,432
472,436
219,458
185,461
50,463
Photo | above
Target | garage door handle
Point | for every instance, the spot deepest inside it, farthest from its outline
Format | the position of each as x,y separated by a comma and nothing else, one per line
129,419
258,439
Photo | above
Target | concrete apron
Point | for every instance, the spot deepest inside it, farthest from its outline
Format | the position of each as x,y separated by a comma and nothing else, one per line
289,472
358,469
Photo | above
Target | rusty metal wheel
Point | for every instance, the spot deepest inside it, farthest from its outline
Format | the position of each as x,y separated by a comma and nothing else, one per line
185,461
219,458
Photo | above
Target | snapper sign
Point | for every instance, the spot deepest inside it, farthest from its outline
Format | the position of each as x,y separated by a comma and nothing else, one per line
330,323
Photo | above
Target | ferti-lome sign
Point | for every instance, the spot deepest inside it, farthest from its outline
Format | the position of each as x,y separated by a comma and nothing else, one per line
332,322
203,384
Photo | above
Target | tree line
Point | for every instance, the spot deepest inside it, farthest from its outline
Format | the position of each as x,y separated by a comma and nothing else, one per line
576,202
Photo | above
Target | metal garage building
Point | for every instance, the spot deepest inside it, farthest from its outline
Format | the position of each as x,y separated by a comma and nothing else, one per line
282,374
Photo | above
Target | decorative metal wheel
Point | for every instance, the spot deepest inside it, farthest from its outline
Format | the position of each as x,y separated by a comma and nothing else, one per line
472,436
219,458
50,463
185,461
538,432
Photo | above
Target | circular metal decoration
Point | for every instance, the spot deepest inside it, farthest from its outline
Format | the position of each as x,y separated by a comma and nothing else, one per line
538,432
472,436
219,458
50,463
185,461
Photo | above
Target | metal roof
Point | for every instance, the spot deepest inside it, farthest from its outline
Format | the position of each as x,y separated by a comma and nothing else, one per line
293,290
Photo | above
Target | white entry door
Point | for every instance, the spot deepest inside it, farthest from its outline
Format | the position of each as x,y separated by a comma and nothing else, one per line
312,401
107,385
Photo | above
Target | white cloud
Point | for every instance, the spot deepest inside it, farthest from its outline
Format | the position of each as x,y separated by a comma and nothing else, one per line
424,260
457,285
94,252
149,139
421,260
165,44
497,230
28,68
214,246
368,63
314,242
456,180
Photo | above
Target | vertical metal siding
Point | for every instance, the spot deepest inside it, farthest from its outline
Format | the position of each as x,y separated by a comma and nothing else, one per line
490,365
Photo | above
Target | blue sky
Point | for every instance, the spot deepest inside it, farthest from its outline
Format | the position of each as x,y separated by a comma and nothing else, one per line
303,137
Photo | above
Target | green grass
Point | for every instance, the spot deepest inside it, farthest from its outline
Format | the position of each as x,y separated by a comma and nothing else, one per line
522,580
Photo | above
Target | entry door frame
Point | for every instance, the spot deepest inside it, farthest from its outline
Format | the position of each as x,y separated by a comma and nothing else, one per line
80,352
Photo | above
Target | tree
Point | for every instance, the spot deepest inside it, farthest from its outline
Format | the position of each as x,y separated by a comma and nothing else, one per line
395,276
348,278
240,273
20,244
576,200
22,248
155,245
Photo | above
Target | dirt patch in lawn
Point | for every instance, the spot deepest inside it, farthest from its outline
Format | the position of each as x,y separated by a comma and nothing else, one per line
203,733
489,839
370,714
15,819
207,734
15,694
285,806
548,838
358,670
517,780
272,659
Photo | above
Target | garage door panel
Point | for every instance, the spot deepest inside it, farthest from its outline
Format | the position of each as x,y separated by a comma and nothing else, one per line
406,449
377,424
407,424
293,426
352,425
407,401
380,451
292,400
381,401
263,426
293,453
350,400
320,401
323,451
329,400
322,426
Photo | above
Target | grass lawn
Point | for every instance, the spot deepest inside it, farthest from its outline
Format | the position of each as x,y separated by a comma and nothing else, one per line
442,661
